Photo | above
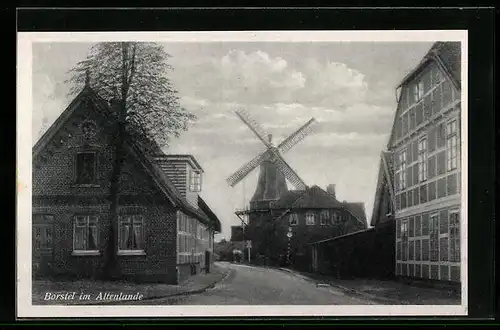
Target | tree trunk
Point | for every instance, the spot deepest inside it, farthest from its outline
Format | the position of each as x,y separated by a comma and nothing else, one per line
109,267
110,249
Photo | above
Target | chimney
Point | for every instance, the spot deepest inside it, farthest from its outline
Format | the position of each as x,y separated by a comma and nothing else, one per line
331,190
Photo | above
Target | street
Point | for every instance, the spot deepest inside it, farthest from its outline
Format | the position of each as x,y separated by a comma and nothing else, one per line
249,285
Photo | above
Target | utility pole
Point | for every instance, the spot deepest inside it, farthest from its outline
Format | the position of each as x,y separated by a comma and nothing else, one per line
289,235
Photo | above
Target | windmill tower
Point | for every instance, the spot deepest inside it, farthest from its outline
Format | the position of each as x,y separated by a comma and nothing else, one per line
274,170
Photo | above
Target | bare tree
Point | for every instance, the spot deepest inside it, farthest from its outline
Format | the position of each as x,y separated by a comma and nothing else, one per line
145,109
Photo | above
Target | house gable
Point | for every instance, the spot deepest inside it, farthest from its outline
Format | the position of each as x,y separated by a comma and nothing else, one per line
441,61
55,154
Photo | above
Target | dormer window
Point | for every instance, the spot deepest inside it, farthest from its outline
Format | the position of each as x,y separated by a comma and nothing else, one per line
195,181
86,168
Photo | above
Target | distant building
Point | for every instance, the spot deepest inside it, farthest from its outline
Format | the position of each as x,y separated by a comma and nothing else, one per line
308,215
237,233
165,230
420,190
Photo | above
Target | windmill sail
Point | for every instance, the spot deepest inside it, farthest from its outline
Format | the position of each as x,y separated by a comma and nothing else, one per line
272,156
289,173
296,137
247,168
254,126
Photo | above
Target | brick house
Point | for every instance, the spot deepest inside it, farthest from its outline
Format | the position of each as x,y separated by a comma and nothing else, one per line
309,215
421,188
165,230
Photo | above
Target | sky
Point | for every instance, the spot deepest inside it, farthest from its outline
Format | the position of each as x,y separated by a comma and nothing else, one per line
348,87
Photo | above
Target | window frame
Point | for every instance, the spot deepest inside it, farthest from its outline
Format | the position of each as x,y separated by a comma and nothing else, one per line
138,251
43,236
422,159
324,217
95,165
310,216
404,239
195,175
336,217
293,219
434,232
454,236
451,137
401,170
87,227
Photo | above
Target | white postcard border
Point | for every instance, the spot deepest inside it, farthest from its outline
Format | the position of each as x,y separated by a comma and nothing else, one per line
25,309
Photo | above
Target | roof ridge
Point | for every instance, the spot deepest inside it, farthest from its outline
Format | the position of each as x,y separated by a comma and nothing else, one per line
61,119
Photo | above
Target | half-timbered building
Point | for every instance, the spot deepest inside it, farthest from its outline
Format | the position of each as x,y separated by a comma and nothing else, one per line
420,176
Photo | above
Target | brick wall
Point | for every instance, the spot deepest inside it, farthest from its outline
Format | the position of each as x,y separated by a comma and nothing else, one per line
54,192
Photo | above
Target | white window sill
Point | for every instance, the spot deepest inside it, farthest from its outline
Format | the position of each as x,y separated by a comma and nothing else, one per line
85,253
131,253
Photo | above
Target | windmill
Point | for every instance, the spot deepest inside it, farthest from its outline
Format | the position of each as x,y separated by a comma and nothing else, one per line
273,168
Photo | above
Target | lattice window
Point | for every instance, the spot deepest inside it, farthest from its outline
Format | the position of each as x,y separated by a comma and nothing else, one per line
131,233
454,234
85,234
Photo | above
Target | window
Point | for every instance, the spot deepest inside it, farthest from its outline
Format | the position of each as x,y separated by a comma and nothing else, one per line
440,135
454,236
310,219
416,196
423,193
418,226
411,251
425,224
324,216
425,250
441,162
417,250
419,113
401,170
434,237
404,239
451,145
422,159
294,219
183,222
42,231
418,91
336,217
412,119
85,237
195,181
405,123
131,233
42,236
86,168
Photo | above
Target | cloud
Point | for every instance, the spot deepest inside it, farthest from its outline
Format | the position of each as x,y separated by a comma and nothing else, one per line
351,96
48,106
258,78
